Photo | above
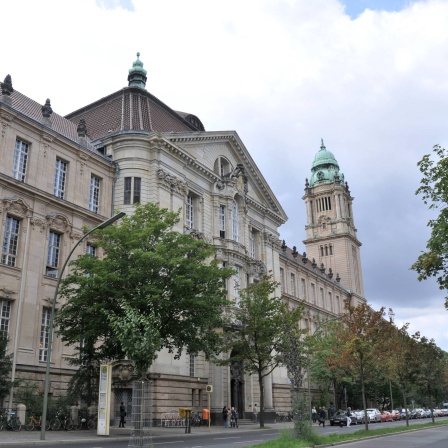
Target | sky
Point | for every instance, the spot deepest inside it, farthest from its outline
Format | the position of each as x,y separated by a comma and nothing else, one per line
370,77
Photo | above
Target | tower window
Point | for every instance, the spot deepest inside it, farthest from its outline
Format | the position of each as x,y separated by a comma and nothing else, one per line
10,241
222,221
20,160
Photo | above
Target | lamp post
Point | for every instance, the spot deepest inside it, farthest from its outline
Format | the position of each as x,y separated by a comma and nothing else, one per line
314,332
104,224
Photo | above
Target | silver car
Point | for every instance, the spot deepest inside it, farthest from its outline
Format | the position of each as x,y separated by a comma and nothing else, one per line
374,415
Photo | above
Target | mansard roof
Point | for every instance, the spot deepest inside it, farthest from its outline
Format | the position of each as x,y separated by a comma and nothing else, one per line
31,109
133,109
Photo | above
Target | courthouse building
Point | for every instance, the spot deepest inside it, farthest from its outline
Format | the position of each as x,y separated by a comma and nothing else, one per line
60,175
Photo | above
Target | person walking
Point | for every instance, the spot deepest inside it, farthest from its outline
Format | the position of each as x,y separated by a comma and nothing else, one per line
322,416
349,414
234,417
225,416
122,415
255,412
314,414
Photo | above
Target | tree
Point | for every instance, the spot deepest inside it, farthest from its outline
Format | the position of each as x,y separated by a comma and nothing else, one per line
434,191
257,335
5,367
360,349
154,288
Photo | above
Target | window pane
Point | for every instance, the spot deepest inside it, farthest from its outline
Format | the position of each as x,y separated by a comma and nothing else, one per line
20,160
235,221
59,178
137,190
94,196
54,244
222,221
127,190
44,333
10,241
189,212
5,315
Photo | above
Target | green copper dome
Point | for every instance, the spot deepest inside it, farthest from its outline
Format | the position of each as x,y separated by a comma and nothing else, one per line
137,74
325,168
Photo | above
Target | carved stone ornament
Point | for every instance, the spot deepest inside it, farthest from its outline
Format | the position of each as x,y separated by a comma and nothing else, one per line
46,109
39,222
7,86
172,182
17,207
196,234
7,292
220,185
58,222
76,235
257,268
82,128
125,372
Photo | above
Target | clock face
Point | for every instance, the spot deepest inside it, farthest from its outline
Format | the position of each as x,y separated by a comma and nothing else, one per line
320,175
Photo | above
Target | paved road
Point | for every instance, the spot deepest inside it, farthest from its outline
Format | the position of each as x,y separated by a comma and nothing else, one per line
219,437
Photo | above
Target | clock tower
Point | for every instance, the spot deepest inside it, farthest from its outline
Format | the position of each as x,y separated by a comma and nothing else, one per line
330,229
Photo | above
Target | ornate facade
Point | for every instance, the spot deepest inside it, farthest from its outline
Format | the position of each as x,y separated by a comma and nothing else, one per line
60,175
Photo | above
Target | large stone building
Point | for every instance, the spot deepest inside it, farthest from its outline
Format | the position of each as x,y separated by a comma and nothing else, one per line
59,175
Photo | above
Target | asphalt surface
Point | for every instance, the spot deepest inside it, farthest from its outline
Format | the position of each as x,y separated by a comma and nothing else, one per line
246,436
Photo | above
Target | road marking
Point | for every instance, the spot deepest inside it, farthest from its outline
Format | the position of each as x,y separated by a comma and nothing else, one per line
225,438
166,443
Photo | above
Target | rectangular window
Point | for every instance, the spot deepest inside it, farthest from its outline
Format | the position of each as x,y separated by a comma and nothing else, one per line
235,221
293,284
222,221
338,305
132,190
10,241
91,250
60,174
137,190
5,315
252,244
44,333
303,287
282,280
127,190
94,196
313,293
330,301
192,359
54,245
20,160
189,213
322,299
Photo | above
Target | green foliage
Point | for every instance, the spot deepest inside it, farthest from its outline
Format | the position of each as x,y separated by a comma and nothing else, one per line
5,367
434,191
259,331
149,275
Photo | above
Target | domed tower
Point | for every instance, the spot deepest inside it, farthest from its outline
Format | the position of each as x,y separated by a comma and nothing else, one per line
330,229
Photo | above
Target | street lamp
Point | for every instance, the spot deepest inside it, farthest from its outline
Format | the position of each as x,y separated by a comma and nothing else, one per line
102,225
308,373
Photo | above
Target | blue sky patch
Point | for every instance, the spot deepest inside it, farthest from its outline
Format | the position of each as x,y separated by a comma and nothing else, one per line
355,7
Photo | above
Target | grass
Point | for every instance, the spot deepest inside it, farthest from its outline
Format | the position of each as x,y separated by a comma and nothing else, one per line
287,440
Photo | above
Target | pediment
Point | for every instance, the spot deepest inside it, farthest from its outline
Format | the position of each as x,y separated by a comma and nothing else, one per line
205,148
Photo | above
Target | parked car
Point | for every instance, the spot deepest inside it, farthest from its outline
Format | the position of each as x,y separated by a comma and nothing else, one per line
396,415
437,412
374,415
416,413
340,419
386,416
403,414
360,416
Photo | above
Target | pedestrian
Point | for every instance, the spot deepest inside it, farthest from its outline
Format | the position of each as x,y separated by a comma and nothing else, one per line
349,420
225,416
314,414
322,416
255,412
122,415
331,410
234,417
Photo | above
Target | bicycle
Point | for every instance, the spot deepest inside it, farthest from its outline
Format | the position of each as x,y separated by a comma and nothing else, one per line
34,423
13,423
61,421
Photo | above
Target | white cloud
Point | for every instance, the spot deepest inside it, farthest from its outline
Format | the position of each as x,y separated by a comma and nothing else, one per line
283,74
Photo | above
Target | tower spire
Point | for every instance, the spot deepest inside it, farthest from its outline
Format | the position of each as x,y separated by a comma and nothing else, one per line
137,74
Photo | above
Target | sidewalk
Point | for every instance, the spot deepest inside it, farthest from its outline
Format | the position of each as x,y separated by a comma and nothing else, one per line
55,438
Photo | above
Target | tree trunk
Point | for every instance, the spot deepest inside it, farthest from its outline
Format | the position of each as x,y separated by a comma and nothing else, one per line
405,407
363,393
260,382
